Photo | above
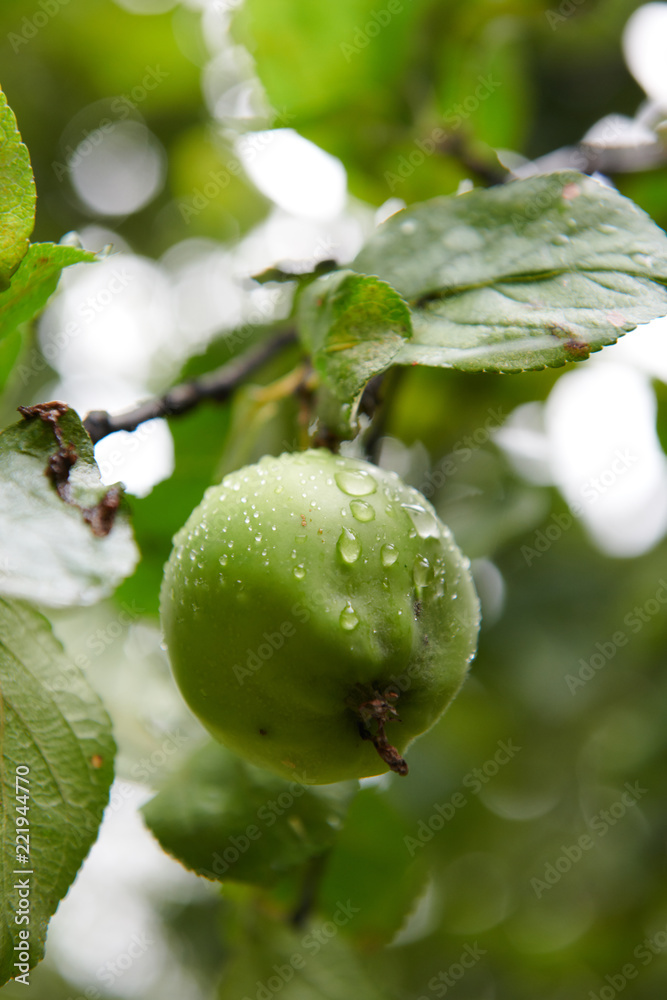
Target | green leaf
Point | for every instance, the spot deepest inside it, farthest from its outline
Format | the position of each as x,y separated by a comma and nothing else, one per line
229,821
315,963
354,326
314,60
525,275
10,348
56,737
35,281
65,538
371,864
17,194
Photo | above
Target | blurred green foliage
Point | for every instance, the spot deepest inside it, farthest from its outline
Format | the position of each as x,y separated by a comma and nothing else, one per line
495,873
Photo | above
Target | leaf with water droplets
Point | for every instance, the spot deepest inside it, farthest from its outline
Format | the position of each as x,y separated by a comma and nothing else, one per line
525,275
354,326
65,537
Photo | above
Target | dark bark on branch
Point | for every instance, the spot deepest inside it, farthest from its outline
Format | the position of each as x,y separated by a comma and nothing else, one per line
217,385
591,158
587,158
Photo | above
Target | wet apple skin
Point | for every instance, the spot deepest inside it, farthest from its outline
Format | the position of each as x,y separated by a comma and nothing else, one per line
299,587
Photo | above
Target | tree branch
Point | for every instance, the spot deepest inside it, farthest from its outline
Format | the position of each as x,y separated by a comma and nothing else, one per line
589,158
217,385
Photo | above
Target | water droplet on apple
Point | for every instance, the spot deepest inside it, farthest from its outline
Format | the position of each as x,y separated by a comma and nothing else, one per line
348,546
421,572
348,618
356,483
362,511
424,521
389,555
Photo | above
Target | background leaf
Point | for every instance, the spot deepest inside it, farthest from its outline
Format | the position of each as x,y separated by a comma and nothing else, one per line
10,348
52,723
52,555
525,275
315,963
17,194
370,863
309,59
227,820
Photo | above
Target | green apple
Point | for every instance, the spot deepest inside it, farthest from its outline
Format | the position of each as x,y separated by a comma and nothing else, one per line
318,616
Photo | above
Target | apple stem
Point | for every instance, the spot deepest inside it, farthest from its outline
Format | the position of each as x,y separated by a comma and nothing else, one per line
387,752
382,710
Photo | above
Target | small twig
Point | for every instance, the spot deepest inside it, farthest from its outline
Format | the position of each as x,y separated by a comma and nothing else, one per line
309,889
589,158
379,709
217,385
375,403
489,169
